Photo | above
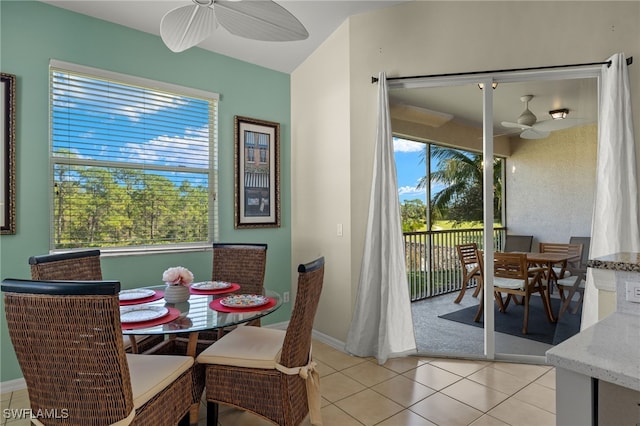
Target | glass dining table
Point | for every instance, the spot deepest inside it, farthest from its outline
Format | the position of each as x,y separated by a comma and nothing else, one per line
200,312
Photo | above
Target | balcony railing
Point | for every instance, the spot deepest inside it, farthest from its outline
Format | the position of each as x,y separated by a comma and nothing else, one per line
433,267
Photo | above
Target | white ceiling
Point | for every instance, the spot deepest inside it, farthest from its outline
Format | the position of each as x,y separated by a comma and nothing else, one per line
322,18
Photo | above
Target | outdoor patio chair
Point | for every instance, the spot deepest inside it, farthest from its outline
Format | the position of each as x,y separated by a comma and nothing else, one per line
467,254
574,250
84,266
267,371
514,277
575,284
67,339
520,243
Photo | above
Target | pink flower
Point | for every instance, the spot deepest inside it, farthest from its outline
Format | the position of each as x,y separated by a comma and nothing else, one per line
177,276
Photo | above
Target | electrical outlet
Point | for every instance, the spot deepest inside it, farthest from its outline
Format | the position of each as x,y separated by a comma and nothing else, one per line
633,291
285,297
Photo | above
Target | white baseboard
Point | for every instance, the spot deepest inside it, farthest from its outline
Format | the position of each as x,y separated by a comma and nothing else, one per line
13,385
326,339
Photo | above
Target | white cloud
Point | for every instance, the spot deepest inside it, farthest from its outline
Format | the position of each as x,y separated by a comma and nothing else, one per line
403,145
410,190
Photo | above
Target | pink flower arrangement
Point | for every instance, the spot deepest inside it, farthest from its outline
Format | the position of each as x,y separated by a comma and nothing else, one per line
177,276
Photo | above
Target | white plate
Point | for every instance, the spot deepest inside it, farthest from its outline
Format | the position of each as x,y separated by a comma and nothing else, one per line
244,301
211,285
141,313
136,293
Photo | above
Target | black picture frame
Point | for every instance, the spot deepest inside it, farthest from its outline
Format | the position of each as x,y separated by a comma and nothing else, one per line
257,173
8,154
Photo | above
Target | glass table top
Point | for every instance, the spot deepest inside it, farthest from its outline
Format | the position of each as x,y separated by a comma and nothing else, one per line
197,315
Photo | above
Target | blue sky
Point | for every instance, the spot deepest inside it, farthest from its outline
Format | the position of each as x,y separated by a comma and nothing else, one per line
409,168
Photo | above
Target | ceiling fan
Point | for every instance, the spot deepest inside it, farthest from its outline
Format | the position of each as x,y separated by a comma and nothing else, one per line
186,26
534,129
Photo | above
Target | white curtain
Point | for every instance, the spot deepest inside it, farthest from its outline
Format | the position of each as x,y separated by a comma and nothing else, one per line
615,226
382,325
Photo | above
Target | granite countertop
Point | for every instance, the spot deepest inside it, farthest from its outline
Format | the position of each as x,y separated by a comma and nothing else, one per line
609,350
629,262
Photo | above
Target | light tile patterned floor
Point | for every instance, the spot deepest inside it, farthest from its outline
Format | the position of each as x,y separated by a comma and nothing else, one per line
411,391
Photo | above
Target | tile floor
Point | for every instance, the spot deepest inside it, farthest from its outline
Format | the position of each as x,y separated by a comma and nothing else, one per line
411,391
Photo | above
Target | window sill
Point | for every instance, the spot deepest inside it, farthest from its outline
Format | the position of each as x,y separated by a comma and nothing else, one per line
141,251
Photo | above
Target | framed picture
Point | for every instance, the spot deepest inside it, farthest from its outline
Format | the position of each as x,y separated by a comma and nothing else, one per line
257,173
8,154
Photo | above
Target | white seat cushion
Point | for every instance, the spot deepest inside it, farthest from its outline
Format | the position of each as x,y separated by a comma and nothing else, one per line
569,282
558,270
150,374
253,347
508,283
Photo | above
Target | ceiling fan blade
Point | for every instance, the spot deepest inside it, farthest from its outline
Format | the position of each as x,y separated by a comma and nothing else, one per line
186,26
259,20
534,134
509,124
552,125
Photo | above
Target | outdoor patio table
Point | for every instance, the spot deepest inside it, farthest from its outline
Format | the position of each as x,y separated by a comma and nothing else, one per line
548,260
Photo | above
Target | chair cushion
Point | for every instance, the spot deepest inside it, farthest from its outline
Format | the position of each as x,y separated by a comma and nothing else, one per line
508,283
253,347
557,270
150,374
470,266
570,281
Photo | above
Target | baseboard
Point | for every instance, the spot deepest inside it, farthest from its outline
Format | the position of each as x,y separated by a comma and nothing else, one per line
13,385
326,339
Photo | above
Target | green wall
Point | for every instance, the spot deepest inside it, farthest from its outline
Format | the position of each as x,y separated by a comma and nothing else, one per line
32,33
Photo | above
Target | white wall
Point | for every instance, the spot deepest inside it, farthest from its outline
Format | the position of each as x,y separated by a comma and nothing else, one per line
550,184
419,37
320,164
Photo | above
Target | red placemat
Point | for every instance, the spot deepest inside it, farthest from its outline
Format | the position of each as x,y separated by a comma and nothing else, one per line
159,295
233,287
172,315
216,306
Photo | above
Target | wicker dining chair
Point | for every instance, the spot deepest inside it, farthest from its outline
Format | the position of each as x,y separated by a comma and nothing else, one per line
82,265
267,371
67,339
240,263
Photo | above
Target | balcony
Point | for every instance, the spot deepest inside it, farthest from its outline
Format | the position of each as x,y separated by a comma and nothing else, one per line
433,268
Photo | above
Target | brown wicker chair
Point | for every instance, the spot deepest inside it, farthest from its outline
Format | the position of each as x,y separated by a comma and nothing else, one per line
240,263
82,265
67,338
267,371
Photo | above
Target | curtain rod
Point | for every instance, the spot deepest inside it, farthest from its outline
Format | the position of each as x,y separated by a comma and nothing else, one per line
607,63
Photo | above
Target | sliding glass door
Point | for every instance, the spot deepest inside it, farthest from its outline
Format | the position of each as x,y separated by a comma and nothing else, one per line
544,188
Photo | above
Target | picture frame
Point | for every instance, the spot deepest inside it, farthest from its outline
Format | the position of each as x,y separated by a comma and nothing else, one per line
257,173
7,154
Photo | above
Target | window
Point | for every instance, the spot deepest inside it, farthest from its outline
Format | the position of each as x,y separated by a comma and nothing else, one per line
134,161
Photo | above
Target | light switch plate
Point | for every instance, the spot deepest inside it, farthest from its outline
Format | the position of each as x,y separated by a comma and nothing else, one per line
633,291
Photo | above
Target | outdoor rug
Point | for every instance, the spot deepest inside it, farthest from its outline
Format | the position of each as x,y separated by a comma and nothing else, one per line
510,322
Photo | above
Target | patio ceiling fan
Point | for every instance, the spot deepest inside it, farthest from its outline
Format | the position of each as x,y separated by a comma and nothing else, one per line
186,26
534,129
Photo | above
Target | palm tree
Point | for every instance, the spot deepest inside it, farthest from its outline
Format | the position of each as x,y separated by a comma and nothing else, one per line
461,174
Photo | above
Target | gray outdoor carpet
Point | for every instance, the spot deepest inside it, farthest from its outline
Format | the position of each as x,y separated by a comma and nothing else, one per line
510,322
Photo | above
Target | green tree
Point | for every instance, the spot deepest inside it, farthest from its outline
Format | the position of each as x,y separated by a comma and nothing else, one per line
414,215
461,174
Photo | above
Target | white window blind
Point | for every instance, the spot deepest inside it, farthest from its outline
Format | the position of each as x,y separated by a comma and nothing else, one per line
133,161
